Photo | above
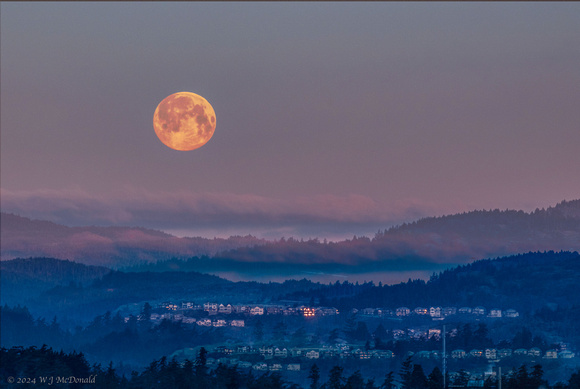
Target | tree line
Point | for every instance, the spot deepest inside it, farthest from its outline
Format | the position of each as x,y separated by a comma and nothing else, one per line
37,363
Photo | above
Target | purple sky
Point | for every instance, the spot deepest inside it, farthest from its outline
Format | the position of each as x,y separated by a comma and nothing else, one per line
333,119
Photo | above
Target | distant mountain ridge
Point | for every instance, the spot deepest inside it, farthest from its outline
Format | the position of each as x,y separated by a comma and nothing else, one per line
420,245
108,246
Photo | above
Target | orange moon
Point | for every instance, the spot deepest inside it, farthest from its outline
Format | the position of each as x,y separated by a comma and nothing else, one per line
184,121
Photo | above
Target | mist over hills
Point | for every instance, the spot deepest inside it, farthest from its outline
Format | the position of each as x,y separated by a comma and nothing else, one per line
108,246
426,244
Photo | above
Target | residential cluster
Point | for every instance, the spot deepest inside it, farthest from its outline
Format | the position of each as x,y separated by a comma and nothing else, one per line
440,313
436,313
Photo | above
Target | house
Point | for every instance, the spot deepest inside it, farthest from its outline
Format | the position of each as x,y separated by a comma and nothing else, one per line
267,350
308,312
490,353
293,367
327,311
421,311
219,323
368,311
494,312
511,313
244,364
257,311
403,311
274,310
448,311
187,305
275,367
478,311
241,309
312,354
399,334
434,332
383,354
260,366
289,311
458,354
476,353
210,307
188,320
464,310
225,309
238,323
520,351
204,322
534,351
551,354
280,353
435,311
364,355
504,352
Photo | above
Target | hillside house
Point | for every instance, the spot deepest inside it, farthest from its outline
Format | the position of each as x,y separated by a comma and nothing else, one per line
551,354
458,354
403,311
257,311
479,311
225,309
312,354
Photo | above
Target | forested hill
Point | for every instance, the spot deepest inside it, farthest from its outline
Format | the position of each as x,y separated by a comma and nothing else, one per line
526,282
454,239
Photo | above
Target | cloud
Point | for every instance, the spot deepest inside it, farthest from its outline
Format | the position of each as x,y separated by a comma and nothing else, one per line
220,214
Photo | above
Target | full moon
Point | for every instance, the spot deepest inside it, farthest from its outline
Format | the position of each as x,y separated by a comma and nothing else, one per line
184,121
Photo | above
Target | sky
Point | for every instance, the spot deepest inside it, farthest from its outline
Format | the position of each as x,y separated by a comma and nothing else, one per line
333,119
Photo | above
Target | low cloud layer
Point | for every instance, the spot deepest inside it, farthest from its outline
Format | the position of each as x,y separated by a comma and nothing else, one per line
215,214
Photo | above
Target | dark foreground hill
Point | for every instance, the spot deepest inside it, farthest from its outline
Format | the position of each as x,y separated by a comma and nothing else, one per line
526,282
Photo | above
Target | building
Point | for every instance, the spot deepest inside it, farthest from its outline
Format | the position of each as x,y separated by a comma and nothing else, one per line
293,367
403,311
449,311
478,311
458,354
312,354
238,323
275,367
494,313
511,313
421,311
490,353
435,311
551,354
257,311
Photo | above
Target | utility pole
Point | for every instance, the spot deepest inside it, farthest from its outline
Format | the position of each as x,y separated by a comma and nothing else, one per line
445,361
499,379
